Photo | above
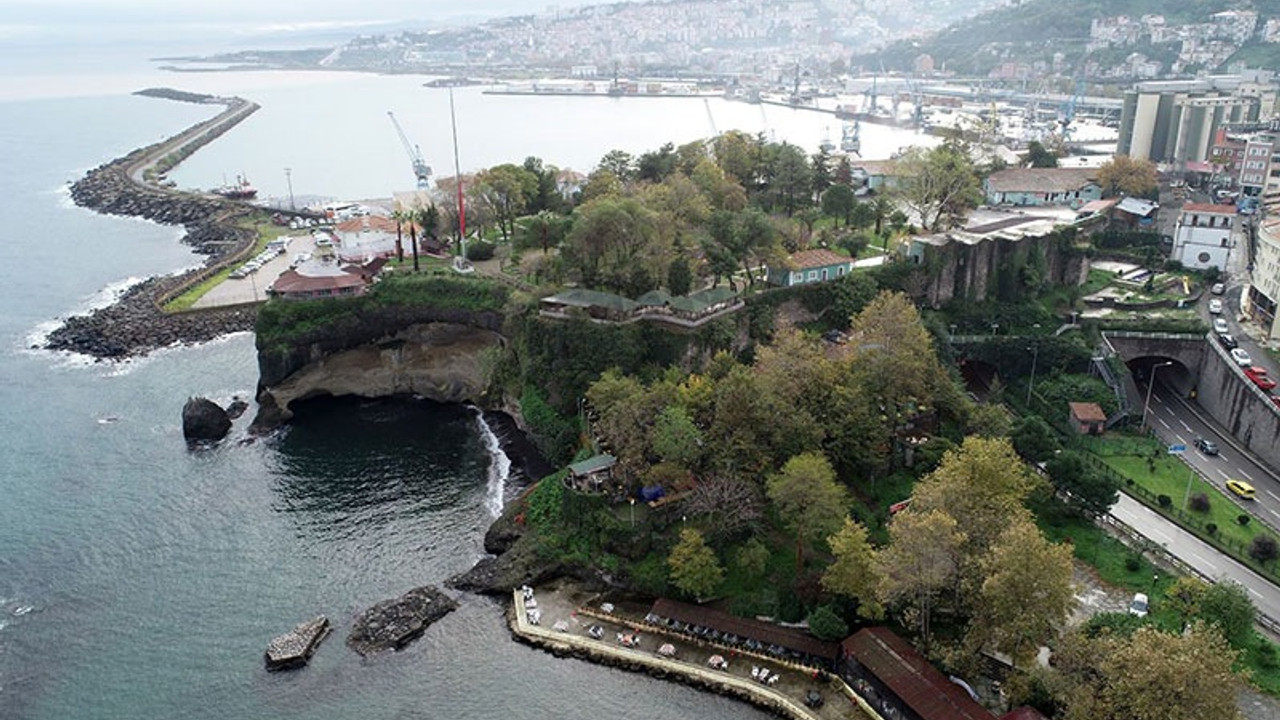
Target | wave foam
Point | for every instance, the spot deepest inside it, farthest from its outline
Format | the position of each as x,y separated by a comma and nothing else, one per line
499,468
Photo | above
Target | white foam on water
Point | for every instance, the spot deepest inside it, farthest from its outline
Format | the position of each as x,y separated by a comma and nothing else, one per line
499,468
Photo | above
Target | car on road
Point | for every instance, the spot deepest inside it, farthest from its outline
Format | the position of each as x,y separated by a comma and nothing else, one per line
1227,341
1241,357
1241,488
1218,288
1208,447
1139,605
1220,326
1260,378
1215,306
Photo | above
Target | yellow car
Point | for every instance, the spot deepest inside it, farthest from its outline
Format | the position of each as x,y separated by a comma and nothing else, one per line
1241,488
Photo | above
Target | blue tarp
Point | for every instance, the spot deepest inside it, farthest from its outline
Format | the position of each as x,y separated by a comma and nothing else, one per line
651,493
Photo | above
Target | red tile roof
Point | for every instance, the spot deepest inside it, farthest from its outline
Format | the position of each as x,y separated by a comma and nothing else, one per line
370,223
1209,208
291,282
1087,411
1041,180
806,259
909,676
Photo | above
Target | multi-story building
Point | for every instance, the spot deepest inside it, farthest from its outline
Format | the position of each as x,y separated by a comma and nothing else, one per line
1259,302
1255,166
1202,238
1175,121
1228,155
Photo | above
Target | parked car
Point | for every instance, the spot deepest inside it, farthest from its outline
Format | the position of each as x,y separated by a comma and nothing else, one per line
1260,378
1220,326
1139,605
1241,488
1227,341
1208,447
1241,357
1215,306
1217,288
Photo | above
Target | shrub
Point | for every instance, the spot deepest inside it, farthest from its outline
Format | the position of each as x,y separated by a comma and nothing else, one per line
1132,563
480,250
1211,528
1164,500
827,625
1242,519
1200,503
1266,654
1263,548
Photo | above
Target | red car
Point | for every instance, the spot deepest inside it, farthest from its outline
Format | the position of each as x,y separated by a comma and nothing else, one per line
1259,377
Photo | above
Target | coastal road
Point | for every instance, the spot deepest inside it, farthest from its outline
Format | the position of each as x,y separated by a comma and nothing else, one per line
1200,556
253,288
1177,420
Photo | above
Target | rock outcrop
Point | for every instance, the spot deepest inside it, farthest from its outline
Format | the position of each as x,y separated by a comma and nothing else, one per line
203,420
392,624
437,360
295,648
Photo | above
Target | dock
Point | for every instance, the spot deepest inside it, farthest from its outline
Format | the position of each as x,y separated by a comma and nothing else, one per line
295,648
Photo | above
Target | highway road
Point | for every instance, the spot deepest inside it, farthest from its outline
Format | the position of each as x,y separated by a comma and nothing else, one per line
1203,558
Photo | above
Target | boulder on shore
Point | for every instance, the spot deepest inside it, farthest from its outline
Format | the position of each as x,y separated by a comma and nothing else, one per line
204,420
392,624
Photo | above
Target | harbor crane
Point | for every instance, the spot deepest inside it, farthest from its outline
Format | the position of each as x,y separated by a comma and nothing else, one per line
421,170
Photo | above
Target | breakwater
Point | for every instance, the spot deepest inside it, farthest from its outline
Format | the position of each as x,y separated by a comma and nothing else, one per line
137,323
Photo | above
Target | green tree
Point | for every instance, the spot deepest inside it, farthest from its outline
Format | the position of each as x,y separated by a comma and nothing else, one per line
826,624
1225,605
1038,156
658,165
854,573
507,189
820,171
611,238
753,558
883,208
1124,175
1150,675
1026,595
1183,597
1034,439
921,562
675,438
620,163
738,154
837,202
1089,490
547,196
679,276
989,420
694,567
808,499
544,230
790,178
939,184
601,183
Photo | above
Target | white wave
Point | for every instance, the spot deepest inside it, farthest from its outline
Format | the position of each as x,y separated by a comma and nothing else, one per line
499,467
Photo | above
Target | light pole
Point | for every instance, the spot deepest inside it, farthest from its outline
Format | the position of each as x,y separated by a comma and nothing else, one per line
288,178
1035,355
1151,383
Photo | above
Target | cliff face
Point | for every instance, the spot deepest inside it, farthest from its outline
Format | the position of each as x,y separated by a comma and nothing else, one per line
432,354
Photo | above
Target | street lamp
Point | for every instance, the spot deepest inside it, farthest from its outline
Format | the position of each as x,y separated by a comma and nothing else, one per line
1151,383
995,328
1035,355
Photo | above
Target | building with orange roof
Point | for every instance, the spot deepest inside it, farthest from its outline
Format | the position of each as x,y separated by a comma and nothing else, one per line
810,266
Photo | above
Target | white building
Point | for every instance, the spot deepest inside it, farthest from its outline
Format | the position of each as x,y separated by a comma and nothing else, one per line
1202,238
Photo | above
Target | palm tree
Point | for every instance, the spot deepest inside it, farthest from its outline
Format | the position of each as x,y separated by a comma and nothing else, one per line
412,217
399,216
883,207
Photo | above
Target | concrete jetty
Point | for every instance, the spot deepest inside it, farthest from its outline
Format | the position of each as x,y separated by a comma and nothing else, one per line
559,630
294,648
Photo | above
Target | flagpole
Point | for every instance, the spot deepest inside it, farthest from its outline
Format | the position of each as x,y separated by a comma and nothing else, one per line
457,172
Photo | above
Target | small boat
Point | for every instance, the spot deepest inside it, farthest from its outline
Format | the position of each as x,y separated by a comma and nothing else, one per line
240,190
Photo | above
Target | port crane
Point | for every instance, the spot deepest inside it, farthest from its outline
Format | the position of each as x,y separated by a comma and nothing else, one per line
421,170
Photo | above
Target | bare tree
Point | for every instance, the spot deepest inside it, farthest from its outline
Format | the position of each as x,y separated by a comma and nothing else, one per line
728,504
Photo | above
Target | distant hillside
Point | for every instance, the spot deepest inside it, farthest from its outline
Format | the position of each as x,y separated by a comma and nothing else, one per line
1036,29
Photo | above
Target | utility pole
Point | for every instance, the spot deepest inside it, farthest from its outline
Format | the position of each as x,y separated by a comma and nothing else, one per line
288,178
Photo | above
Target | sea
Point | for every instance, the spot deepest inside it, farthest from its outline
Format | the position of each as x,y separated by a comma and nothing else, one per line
142,580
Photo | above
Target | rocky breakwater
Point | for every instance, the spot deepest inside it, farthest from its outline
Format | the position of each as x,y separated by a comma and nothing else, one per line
392,624
135,323
379,352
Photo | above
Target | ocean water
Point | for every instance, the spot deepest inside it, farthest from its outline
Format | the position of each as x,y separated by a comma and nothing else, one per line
141,580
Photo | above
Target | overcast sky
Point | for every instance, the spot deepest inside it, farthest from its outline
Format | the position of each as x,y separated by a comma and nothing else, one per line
63,19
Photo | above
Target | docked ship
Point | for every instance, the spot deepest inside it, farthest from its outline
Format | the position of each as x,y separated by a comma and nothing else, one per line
240,190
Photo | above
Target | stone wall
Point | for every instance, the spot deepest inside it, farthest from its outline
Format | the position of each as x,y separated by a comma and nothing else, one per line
1238,405
959,270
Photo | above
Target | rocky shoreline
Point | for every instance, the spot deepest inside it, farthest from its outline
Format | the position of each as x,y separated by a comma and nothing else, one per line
135,324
